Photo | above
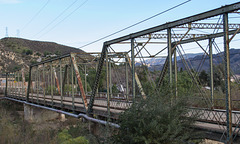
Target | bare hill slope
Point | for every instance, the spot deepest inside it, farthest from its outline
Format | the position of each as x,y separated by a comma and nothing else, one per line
18,52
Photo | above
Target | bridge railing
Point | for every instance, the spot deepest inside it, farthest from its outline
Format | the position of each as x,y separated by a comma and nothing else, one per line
64,82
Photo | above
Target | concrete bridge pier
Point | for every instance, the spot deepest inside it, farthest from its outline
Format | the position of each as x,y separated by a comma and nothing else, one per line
35,114
95,128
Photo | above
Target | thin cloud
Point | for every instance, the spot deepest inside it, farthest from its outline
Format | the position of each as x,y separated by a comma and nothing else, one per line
10,1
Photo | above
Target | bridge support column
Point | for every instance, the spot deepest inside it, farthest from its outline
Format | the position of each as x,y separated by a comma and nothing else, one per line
34,114
94,128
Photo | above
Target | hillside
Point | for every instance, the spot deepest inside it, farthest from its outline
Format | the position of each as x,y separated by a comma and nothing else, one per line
18,52
159,61
196,60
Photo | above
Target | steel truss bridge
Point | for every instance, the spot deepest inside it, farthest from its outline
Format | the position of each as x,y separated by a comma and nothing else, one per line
98,86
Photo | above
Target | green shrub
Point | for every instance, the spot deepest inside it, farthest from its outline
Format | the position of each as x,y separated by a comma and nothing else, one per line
29,52
156,120
65,138
38,54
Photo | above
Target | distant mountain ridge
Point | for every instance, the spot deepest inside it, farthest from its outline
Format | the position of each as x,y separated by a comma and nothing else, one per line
160,61
196,59
18,52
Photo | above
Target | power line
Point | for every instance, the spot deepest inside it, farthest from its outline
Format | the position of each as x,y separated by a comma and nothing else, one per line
65,17
56,17
36,15
135,24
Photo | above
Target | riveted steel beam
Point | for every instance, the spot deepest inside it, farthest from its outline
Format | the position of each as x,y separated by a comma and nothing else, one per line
164,36
216,35
64,78
84,98
208,26
98,73
56,78
194,18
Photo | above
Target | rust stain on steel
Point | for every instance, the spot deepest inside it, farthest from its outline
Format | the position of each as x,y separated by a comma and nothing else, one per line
24,82
79,81
55,75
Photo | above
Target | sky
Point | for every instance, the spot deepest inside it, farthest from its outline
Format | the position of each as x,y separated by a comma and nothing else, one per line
78,22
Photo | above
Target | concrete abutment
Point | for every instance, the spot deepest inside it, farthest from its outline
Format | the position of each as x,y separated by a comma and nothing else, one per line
35,114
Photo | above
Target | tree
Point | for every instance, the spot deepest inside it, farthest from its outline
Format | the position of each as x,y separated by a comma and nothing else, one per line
203,77
218,77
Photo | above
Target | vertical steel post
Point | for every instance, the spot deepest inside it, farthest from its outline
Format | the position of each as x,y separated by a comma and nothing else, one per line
60,64
23,83
35,77
75,82
73,96
10,84
24,90
126,69
29,83
38,81
133,70
108,95
18,84
68,93
227,78
6,86
15,83
211,71
110,79
169,43
51,70
44,81
96,72
48,82
32,89
85,78
175,73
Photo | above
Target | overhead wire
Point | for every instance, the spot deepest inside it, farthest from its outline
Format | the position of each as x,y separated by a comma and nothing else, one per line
135,24
56,18
35,15
64,18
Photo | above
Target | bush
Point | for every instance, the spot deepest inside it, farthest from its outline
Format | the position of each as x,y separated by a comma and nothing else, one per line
46,53
29,52
38,54
156,120
65,138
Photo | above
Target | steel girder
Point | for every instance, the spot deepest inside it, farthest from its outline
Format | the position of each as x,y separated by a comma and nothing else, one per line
187,20
208,26
164,36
